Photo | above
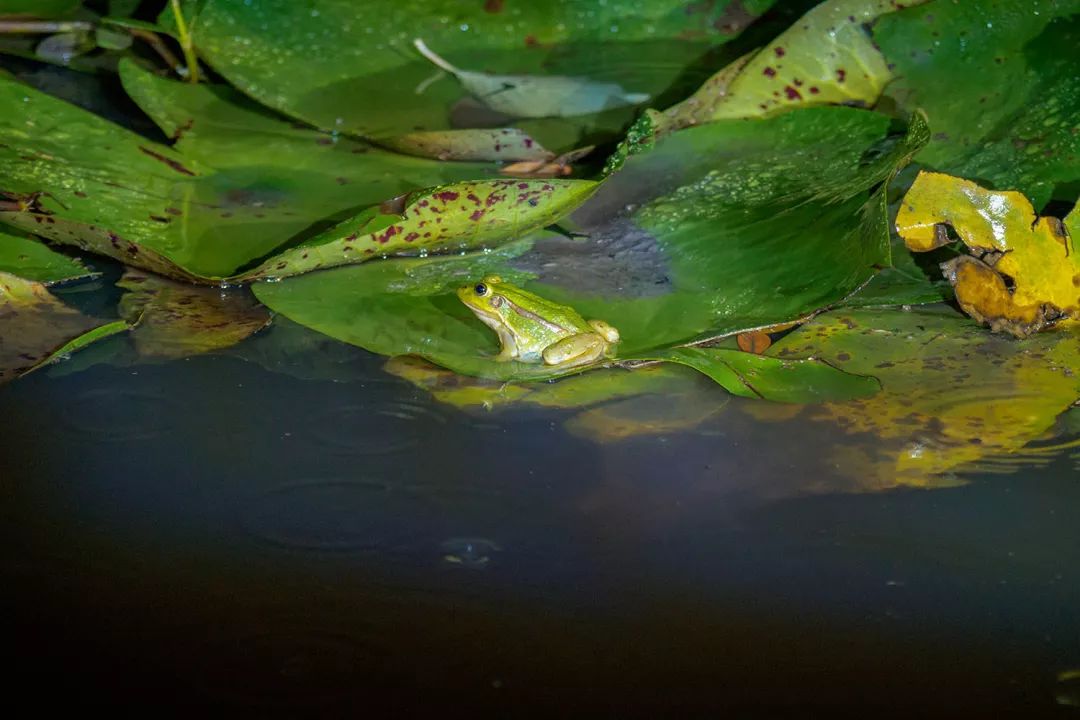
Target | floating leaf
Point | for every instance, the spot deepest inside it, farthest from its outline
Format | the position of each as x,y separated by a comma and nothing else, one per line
953,394
537,96
35,327
710,236
174,320
999,82
827,56
724,202
32,260
769,378
451,217
1036,255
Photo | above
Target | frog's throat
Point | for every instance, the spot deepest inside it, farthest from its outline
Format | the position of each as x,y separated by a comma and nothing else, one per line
506,338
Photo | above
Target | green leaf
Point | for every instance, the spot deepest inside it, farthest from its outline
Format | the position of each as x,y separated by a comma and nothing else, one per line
118,194
755,376
88,338
759,221
999,83
350,67
825,57
110,39
749,224
462,216
31,260
26,9
121,8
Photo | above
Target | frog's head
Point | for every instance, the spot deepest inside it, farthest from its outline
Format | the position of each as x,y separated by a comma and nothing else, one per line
483,298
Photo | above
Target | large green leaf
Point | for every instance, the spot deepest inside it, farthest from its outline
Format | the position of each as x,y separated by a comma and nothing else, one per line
759,221
999,83
408,307
748,224
352,67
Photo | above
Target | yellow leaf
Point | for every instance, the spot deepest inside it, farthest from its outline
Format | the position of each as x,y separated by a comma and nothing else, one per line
1024,273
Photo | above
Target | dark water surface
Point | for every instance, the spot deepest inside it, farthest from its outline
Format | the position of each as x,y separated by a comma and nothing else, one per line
208,530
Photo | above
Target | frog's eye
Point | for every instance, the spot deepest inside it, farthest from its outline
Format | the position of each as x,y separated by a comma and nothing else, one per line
481,289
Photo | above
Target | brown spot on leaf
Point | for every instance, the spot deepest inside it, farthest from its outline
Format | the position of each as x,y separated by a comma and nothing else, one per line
168,161
493,6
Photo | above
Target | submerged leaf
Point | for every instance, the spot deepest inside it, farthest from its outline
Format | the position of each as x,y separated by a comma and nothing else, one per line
537,96
647,414
1037,256
952,394
35,327
174,320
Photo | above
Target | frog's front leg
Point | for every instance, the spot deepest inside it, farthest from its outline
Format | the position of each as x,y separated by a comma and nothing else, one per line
580,349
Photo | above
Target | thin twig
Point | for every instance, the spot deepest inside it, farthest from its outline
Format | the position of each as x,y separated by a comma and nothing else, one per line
158,46
35,27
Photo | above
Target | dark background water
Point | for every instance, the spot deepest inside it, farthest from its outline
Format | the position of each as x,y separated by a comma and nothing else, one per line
207,530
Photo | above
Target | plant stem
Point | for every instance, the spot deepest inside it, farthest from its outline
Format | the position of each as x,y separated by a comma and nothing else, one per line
190,58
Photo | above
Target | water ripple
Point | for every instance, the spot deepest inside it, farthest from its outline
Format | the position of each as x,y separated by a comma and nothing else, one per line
337,514
361,429
119,415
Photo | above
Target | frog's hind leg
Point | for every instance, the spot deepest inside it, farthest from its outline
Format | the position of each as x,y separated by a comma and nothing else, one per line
604,330
580,349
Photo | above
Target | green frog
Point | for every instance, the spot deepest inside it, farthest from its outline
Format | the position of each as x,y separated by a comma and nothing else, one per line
532,329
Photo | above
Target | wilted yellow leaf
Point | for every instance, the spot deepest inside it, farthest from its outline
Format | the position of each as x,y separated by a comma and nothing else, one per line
1024,272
